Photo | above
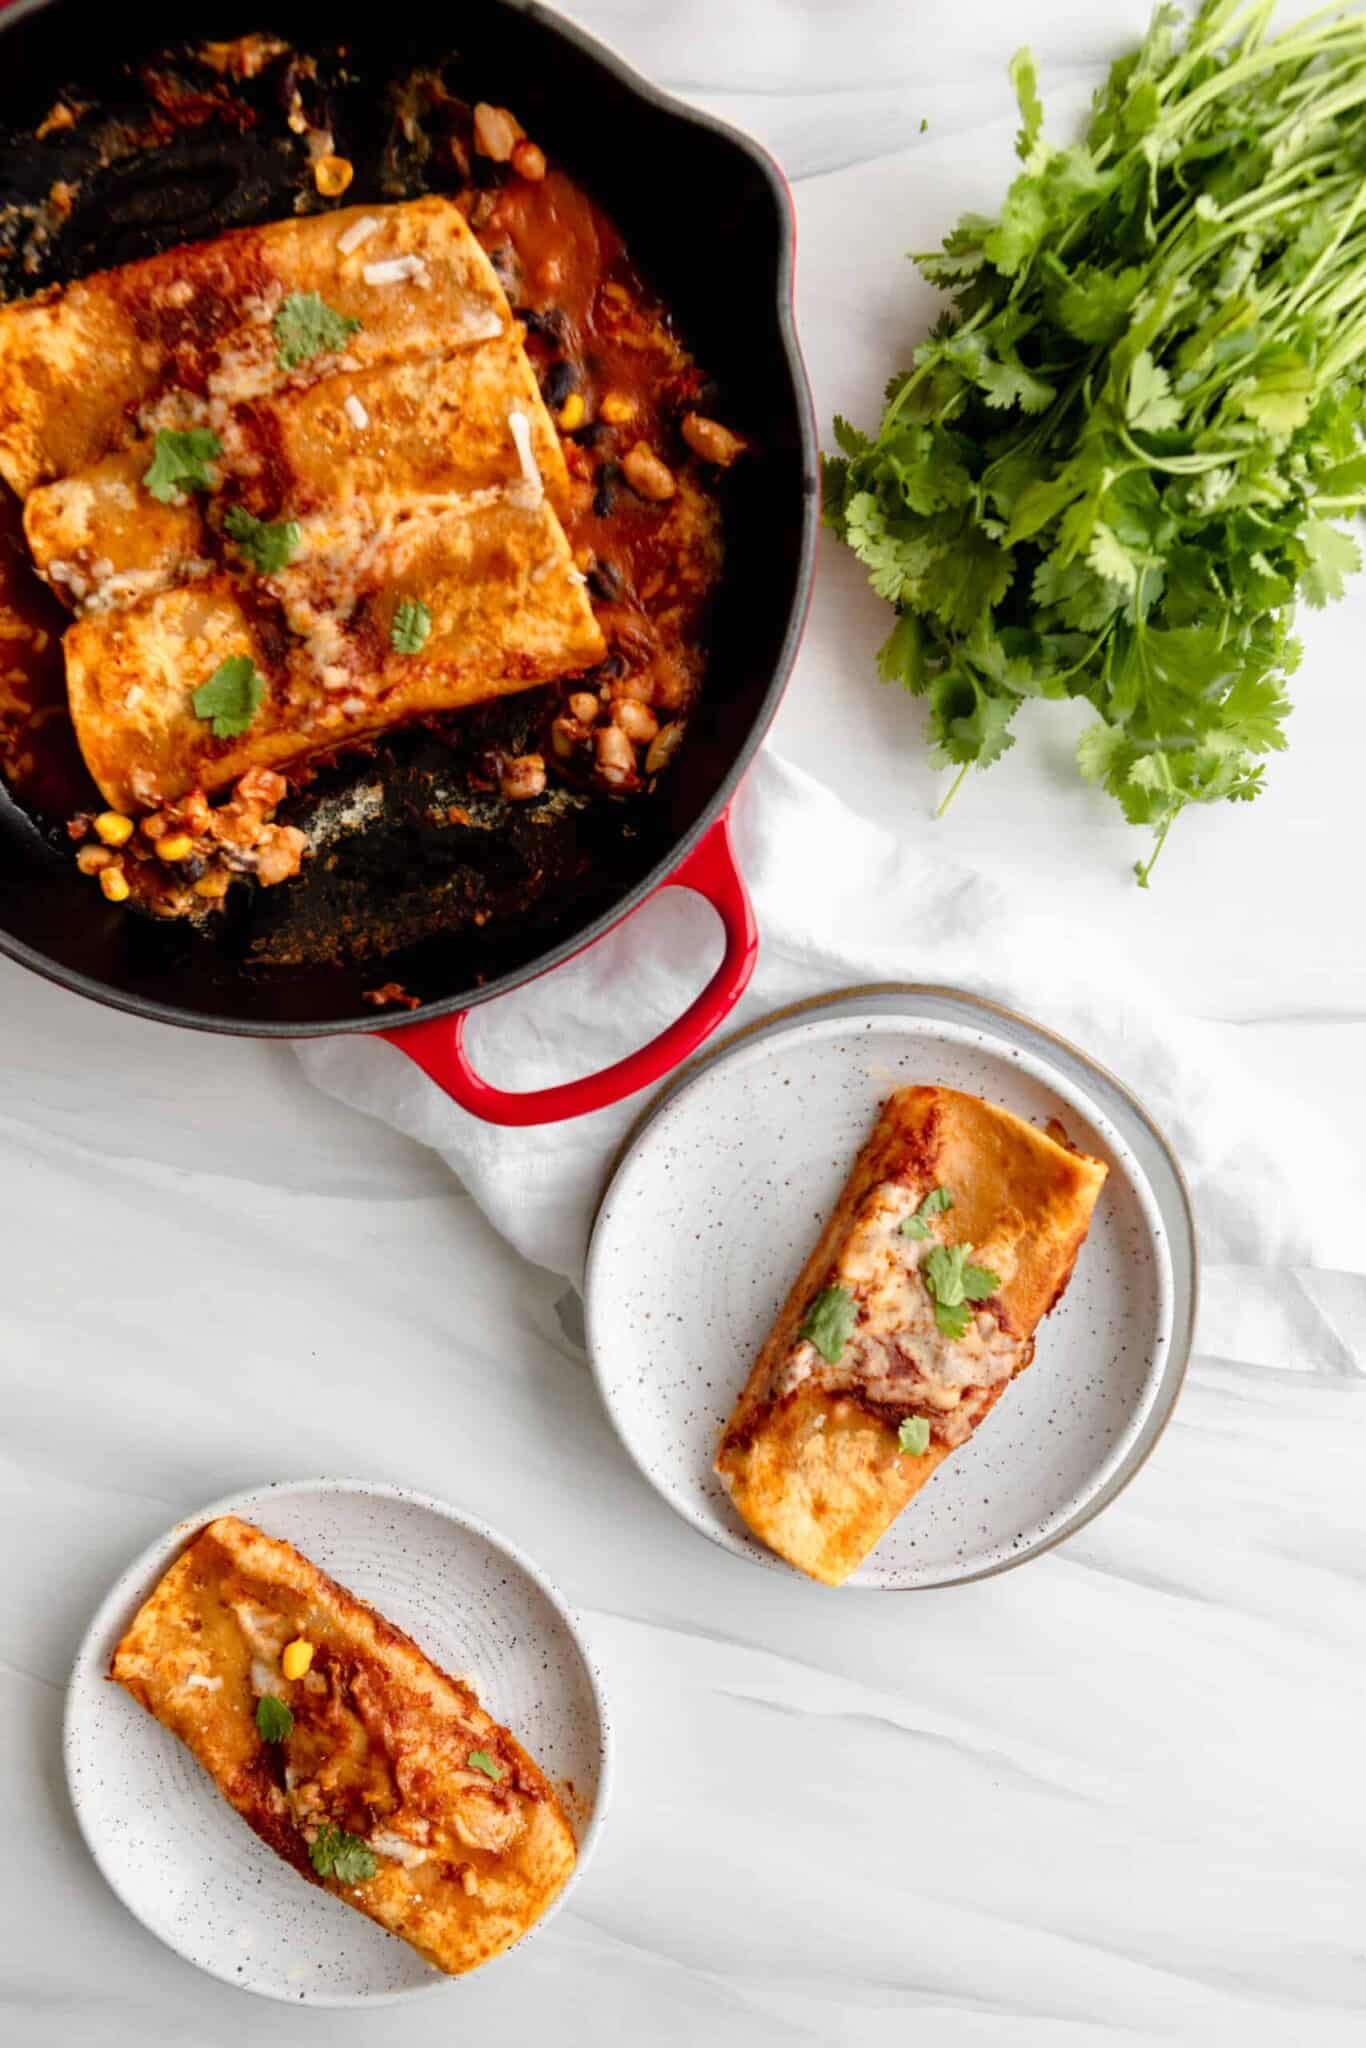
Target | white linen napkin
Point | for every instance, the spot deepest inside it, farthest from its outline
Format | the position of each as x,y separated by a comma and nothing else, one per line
842,902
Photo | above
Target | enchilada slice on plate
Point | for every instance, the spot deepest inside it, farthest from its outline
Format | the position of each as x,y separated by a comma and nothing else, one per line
176,340
487,587
366,1768
955,1234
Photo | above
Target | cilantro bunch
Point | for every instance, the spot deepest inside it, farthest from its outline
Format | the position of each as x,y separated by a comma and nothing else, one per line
1113,466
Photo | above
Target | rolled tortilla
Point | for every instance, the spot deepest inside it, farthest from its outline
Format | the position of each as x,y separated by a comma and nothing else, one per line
813,1455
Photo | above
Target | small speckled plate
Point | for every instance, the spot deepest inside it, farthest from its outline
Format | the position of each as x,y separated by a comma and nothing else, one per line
726,1184
195,1874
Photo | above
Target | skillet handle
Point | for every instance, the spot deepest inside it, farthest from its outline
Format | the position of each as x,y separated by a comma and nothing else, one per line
438,1046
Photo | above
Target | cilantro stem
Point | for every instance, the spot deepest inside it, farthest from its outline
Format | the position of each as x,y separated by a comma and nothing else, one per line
1182,465
1268,57
954,788
890,416
1143,869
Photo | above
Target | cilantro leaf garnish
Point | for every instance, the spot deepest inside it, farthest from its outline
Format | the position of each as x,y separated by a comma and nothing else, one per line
1123,452
335,1853
178,462
268,545
411,624
306,326
231,697
935,1201
274,1721
913,1436
829,1322
480,1760
953,1283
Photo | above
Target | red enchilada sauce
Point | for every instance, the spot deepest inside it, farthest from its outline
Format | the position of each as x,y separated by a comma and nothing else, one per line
644,524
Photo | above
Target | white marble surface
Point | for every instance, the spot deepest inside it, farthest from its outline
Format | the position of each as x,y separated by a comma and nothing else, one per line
1118,1794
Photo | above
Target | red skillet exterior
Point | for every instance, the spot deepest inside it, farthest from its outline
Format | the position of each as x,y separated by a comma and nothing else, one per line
710,870
711,166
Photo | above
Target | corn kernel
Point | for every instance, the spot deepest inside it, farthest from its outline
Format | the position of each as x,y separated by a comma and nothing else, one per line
570,414
213,885
91,859
155,827
113,828
114,885
296,1657
617,409
332,175
175,846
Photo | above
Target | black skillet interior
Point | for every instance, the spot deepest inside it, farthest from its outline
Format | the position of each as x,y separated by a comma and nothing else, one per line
706,224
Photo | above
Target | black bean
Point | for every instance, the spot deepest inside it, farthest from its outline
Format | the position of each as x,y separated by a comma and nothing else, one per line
608,671
609,483
559,380
194,867
590,436
604,580
504,261
489,175
547,321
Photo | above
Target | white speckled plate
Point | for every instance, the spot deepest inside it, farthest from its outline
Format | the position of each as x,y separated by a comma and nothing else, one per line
721,1194
195,1874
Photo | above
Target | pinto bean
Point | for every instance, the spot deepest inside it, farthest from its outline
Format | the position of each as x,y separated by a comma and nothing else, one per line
496,132
523,776
636,720
710,440
647,475
615,755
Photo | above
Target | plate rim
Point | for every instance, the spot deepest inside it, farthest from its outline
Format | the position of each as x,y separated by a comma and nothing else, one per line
156,1556
892,999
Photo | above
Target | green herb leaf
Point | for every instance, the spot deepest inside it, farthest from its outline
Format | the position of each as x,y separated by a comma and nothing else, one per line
829,1322
411,625
934,1204
1151,405
269,547
231,697
953,1283
952,1279
335,1853
274,1721
306,326
953,1318
1119,457
1026,83
178,462
480,1760
913,1437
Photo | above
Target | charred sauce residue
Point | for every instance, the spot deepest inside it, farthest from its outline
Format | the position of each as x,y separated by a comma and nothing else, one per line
38,753
613,374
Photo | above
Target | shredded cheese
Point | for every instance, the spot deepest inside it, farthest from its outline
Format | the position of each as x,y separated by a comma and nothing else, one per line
355,411
358,232
397,270
520,427
201,1683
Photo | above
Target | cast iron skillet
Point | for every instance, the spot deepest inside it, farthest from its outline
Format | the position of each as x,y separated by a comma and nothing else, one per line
707,218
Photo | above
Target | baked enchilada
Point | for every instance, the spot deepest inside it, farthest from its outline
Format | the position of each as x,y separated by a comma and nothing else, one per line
955,1234
371,1772
377,467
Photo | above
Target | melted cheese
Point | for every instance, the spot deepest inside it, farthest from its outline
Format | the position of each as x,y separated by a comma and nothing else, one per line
897,1356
